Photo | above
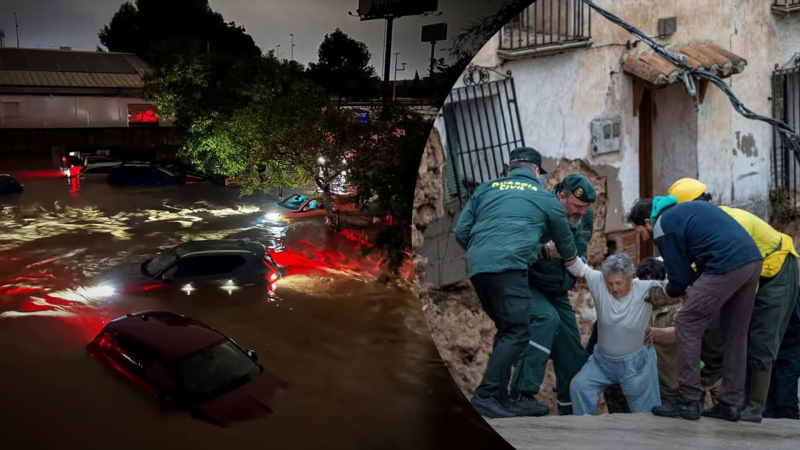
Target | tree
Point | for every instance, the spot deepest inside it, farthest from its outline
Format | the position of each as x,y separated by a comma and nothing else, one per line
385,173
342,66
157,29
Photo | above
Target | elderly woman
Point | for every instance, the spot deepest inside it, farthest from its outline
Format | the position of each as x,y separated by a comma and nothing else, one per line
620,356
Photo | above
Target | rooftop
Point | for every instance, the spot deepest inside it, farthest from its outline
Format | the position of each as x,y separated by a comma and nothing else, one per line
657,71
43,68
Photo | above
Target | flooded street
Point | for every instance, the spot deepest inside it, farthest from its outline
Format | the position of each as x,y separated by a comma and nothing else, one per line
362,369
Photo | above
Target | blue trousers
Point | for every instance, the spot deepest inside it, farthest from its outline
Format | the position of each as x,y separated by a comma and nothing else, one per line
636,373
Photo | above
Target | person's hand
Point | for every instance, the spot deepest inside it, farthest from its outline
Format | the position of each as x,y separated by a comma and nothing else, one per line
648,336
552,251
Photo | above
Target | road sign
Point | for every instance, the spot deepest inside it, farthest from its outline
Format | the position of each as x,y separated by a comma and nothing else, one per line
381,9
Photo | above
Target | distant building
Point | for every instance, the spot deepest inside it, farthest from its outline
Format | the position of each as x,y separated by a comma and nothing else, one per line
56,102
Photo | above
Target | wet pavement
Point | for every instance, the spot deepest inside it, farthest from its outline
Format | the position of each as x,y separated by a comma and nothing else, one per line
624,431
362,368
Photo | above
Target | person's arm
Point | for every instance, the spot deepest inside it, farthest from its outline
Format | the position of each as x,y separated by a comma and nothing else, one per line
678,267
596,283
465,223
663,335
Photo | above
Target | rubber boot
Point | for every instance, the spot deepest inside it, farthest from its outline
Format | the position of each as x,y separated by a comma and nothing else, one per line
755,395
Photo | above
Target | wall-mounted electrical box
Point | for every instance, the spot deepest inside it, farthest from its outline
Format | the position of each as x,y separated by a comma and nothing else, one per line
667,26
606,136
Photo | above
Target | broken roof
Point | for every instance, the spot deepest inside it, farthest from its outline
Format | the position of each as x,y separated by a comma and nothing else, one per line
657,71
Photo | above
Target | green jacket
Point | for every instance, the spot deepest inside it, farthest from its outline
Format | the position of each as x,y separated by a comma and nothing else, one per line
502,224
549,275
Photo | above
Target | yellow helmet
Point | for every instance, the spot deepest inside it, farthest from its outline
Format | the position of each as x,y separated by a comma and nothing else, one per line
687,189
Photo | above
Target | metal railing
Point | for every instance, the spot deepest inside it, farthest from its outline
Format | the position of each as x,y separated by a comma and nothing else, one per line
789,3
786,7
548,23
482,126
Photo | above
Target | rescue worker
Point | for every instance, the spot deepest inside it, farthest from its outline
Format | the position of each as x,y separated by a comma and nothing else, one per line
554,332
728,268
501,228
774,302
783,397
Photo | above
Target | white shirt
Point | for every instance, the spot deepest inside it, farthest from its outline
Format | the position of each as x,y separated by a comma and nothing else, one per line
621,324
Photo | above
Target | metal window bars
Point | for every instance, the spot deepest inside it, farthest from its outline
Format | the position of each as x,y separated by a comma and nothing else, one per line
548,23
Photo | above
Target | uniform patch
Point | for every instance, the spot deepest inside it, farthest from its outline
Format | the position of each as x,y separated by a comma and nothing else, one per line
517,185
578,192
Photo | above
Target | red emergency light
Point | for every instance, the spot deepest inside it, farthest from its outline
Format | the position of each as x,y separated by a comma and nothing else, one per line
142,115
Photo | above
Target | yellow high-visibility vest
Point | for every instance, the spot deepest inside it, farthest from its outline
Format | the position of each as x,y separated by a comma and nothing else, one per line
766,238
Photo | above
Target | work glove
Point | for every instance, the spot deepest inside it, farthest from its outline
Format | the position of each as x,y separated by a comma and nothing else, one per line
579,269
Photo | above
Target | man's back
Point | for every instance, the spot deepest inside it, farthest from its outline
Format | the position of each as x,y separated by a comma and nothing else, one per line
702,233
504,220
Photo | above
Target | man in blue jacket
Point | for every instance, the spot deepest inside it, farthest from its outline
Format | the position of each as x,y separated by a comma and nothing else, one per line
501,228
728,269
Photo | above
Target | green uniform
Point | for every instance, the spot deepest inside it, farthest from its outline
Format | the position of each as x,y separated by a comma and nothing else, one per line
501,228
553,329
503,224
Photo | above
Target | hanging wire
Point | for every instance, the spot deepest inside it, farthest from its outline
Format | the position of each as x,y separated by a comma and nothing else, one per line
679,60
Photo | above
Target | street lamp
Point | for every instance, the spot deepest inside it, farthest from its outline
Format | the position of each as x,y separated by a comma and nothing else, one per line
278,51
292,47
394,91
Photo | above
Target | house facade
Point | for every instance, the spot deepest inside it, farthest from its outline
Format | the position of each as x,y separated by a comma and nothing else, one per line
582,90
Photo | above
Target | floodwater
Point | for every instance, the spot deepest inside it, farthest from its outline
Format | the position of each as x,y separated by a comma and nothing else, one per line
362,368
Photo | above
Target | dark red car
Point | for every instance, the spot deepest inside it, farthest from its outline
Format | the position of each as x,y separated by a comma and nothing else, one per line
187,363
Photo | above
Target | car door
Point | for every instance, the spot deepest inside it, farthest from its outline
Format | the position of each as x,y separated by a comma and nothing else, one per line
131,357
204,268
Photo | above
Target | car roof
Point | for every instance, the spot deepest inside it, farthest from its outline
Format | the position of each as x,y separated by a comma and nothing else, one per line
171,335
219,245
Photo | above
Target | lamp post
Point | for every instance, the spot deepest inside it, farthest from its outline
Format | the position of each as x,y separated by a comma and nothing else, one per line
394,90
292,47
278,51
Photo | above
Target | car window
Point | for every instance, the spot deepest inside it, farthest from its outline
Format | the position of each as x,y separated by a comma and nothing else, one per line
133,352
216,369
203,266
98,170
5,182
158,263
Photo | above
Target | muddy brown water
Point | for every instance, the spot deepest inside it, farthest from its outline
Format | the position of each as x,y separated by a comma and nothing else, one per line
362,368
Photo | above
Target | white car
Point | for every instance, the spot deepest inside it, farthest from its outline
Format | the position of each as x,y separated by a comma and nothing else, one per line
93,160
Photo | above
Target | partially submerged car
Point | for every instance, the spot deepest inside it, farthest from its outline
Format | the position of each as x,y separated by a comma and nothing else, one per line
142,174
300,206
186,363
10,185
211,263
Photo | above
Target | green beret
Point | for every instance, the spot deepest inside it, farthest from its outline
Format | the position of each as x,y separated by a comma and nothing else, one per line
580,187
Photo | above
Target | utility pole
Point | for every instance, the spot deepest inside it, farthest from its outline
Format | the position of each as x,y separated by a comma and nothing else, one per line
388,57
17,25
292,48
394,90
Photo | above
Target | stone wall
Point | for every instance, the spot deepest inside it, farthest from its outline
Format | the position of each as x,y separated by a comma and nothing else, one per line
428,203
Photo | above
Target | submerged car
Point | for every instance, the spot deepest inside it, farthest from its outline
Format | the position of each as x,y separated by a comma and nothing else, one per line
222,263
10,185
96,170
299,206
142,174
186,363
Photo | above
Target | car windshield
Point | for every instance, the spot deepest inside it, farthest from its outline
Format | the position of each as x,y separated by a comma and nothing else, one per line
215,370
158,263
293,202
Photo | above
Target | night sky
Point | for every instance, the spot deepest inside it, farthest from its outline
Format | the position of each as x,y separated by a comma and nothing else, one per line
75,23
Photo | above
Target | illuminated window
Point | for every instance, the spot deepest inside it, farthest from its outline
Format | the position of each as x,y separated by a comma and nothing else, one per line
142,115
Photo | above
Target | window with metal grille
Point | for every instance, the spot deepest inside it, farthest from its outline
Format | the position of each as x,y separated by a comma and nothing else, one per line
548,23
482,127
785,162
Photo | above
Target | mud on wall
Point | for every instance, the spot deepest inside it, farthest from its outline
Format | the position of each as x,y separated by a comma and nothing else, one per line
428,203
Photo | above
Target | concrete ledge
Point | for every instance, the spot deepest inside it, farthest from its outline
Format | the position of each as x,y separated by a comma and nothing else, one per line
633,431
548,50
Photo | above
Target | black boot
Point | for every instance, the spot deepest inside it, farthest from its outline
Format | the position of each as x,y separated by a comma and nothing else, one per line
688,409
491,407
526,405
724,411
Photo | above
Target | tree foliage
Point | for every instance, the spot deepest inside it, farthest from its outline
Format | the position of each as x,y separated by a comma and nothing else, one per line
157,29
342,66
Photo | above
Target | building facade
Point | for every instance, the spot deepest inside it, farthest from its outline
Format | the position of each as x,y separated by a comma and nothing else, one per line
578,87
55,102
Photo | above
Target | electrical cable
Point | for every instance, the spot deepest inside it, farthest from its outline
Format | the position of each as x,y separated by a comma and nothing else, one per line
679,60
